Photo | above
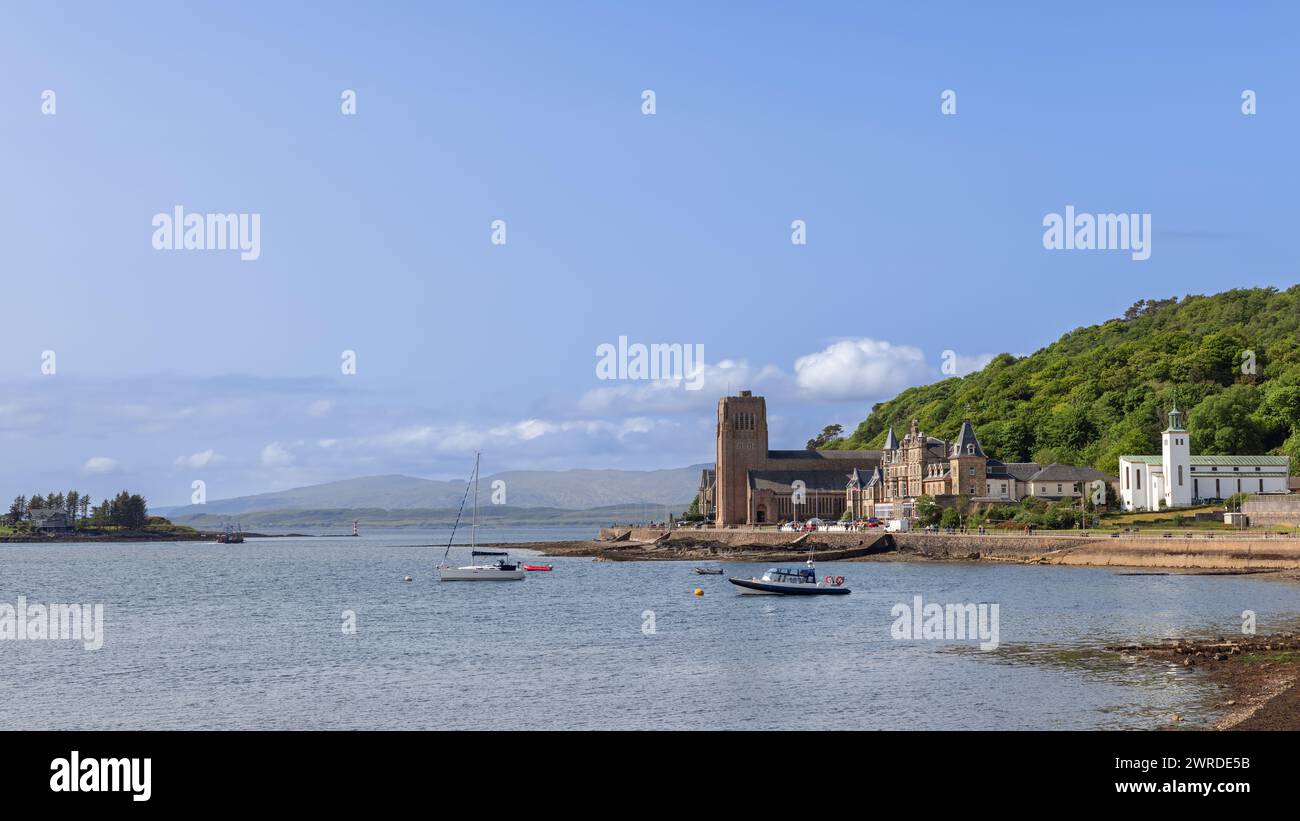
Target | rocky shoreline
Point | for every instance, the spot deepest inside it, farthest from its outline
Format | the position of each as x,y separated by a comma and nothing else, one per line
139,536
1259,674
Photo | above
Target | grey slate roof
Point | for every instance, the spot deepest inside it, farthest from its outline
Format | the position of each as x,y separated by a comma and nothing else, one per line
860,478
891,441
782,481
826,455
1022,471
1069,473
967,437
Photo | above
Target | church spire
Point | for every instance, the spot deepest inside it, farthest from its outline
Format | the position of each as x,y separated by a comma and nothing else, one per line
891,441
1176,419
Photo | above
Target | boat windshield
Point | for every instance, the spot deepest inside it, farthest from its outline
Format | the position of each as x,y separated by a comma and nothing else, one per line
783,574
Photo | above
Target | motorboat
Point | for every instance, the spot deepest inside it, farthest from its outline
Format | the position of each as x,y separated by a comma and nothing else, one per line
782,581
708,571
538,568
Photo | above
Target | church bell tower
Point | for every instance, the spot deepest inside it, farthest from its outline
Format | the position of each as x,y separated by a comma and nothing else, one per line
1176,459
742,447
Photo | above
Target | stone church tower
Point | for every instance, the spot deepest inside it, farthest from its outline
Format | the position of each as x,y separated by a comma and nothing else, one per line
742,447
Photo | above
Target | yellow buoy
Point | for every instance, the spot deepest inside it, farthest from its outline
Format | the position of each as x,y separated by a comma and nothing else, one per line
699,592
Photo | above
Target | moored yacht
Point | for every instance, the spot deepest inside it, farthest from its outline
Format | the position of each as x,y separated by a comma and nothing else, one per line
502,570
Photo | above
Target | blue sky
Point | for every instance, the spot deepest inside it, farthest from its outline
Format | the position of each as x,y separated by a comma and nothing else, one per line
924,230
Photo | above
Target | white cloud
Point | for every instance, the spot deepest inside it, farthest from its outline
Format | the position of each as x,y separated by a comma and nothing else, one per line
99,464
864,368
199,460
276,455
320,407
970,364
666,396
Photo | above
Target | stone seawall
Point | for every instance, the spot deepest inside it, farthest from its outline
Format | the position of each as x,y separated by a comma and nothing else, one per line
1265,511
1148,551
726,536
945,546
1222,552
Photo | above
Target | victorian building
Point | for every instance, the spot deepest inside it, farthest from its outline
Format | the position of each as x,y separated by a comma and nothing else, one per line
751,484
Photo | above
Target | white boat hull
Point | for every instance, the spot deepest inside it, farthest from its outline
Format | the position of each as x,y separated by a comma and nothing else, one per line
479,574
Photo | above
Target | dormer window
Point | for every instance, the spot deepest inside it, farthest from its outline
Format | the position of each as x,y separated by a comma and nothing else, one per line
970,449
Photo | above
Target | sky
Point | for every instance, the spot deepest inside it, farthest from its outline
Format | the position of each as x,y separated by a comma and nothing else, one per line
924,228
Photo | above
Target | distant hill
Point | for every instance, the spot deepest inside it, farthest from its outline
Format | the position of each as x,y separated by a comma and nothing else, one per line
1232,360
561,490
340,519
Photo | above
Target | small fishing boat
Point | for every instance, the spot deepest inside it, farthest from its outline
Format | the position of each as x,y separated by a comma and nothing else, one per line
781,581
231,535
502,570
708,571
538,568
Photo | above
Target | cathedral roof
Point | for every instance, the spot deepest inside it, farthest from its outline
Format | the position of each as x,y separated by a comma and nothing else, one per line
965,439
826,455
782,481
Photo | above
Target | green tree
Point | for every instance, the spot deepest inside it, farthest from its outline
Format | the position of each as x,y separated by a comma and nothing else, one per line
1225,423
1103,390
17,510
829,434
692,513
926,511
128,510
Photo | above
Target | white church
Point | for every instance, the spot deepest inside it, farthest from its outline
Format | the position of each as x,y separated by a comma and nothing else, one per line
1175,478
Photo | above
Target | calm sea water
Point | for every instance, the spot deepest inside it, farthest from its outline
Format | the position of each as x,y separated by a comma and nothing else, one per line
249,636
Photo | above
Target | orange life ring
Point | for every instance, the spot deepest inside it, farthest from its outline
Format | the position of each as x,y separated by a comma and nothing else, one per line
839,581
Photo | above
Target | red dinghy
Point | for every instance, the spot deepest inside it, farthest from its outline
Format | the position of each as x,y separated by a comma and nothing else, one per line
537,567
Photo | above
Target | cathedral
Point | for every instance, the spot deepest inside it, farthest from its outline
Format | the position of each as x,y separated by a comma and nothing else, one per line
752,485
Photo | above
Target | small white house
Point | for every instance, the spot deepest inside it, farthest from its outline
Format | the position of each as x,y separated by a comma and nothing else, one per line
1175,478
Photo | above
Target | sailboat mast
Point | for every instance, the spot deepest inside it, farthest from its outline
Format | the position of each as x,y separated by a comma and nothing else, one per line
473,530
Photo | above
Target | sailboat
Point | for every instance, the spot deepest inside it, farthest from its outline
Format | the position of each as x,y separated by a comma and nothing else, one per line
500,570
